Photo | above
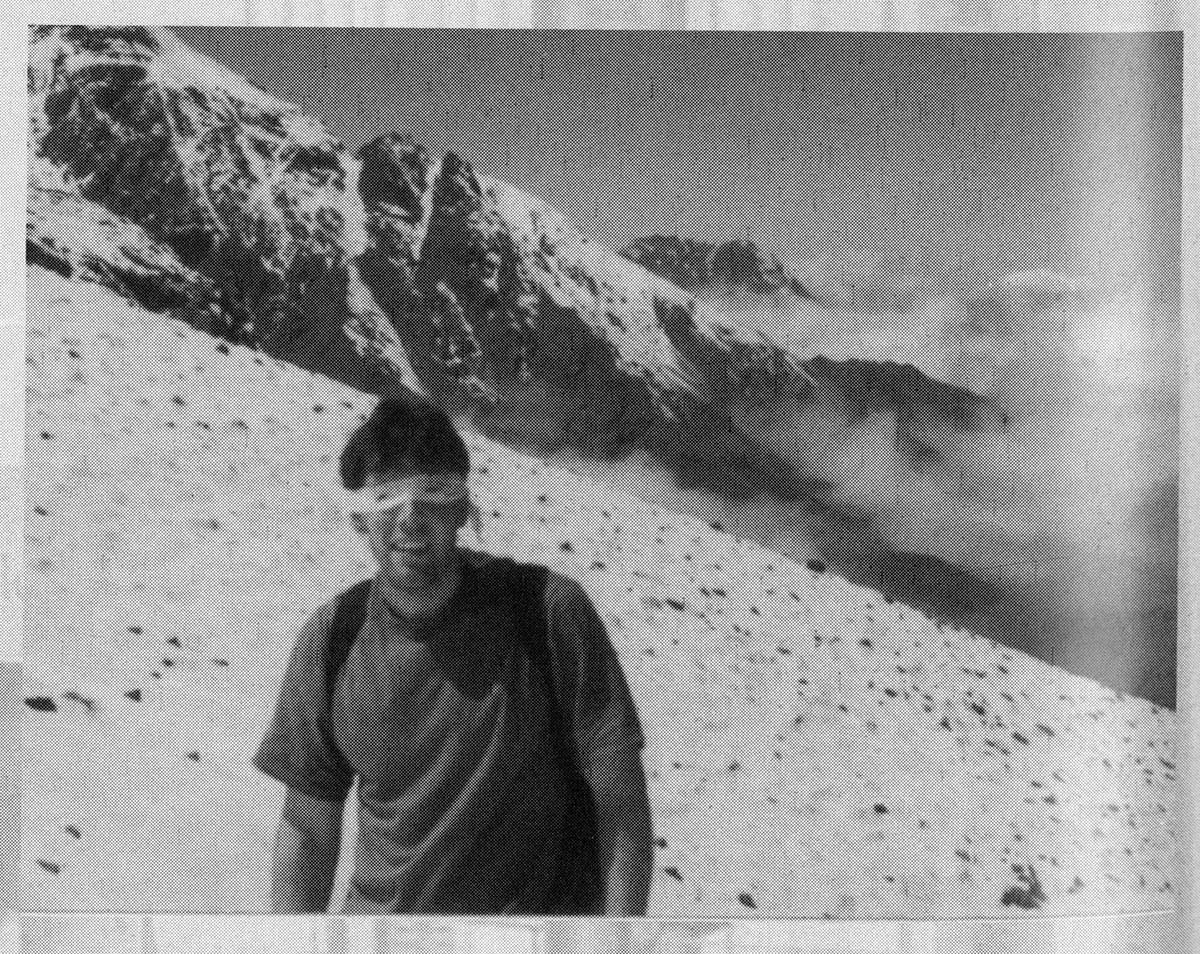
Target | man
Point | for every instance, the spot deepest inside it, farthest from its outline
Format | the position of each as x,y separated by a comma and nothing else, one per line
443,713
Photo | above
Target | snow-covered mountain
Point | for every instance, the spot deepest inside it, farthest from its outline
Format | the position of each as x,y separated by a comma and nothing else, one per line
383,269
897,453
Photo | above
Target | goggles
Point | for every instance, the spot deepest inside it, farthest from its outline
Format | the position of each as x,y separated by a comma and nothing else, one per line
430,495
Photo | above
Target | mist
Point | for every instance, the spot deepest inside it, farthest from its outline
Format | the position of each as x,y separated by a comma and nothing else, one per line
1048,521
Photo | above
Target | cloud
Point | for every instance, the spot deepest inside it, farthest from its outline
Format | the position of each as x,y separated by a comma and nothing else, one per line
1060,492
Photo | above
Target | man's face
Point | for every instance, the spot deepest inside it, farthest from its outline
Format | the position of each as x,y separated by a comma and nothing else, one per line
411,521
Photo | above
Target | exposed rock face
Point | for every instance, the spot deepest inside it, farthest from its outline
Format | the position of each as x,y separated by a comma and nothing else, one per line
469,266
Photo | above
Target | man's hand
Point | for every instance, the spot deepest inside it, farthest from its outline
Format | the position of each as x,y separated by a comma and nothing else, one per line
306,854
623,827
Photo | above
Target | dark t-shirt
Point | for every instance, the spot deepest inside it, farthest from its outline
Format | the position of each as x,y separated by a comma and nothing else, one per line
444,722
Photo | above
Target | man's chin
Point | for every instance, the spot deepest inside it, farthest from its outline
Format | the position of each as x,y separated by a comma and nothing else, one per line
414,568
407,566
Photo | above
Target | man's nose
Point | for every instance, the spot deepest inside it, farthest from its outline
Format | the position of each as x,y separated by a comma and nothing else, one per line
403,513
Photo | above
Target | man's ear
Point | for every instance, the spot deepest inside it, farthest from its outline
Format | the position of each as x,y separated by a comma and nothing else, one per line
465,513
470,514
476,519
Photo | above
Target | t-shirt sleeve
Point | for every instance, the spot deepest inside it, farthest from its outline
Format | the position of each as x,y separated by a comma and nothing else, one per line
298,748
594,688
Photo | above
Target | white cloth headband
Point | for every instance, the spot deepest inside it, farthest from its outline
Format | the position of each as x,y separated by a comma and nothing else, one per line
435,489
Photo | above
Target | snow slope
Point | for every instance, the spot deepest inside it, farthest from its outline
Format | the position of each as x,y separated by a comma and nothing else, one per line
812,749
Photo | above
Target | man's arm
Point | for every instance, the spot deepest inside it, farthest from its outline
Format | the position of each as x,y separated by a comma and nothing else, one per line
306,854
623,829
608,739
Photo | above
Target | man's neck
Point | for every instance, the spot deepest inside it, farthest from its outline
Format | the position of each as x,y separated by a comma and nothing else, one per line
416,601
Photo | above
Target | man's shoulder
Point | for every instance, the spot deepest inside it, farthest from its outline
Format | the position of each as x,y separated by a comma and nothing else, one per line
351,593
506,573
351,599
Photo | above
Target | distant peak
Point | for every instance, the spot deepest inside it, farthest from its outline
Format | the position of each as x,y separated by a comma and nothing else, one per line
696,266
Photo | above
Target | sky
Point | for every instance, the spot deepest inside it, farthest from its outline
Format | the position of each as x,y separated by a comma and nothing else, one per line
912,158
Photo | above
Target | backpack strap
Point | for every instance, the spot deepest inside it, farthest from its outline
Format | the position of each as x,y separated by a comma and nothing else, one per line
349,613
578,875
529,604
